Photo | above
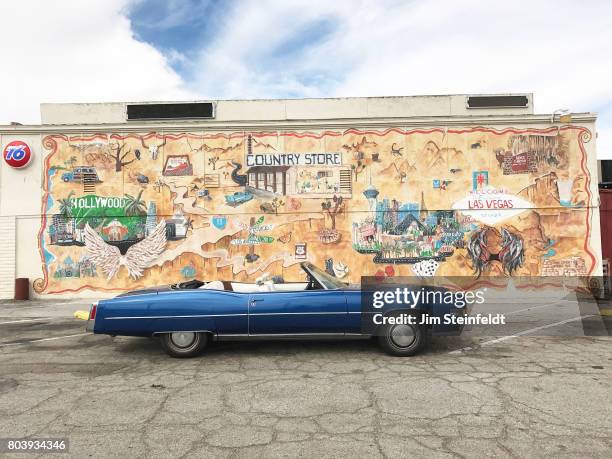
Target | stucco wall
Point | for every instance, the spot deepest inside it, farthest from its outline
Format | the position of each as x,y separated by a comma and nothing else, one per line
294,109
402,170
20,195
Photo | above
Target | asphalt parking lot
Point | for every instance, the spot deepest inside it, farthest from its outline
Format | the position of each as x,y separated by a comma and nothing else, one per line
514,396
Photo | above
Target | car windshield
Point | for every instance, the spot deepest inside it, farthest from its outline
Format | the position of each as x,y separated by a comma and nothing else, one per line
327,281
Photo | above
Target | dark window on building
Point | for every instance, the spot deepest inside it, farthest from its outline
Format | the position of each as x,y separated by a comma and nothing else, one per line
170,111
497,101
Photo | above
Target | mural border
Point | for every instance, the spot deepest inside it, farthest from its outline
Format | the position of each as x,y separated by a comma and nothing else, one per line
49,142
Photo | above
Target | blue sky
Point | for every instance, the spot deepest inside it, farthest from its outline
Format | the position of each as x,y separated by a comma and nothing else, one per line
172,27
118,50
185,31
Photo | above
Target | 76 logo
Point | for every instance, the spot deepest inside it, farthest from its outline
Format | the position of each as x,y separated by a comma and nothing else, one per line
16,152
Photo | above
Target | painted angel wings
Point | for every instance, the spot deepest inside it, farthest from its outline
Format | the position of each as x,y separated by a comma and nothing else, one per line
141,255
137,258
511,255
102,254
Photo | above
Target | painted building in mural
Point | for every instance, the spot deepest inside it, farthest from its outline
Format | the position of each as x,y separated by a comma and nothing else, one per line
357,186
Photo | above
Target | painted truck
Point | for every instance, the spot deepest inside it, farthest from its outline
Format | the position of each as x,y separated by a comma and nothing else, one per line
81,174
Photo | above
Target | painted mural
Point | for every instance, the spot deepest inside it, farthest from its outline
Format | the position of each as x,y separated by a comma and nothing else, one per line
127,211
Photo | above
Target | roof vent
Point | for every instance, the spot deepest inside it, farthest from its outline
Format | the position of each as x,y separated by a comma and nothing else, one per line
192,110
497,102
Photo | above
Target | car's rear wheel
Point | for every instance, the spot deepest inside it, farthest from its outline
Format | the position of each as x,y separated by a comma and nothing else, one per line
402,340
184,344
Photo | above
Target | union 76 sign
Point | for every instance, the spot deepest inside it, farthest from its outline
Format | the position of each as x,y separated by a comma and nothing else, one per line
17,154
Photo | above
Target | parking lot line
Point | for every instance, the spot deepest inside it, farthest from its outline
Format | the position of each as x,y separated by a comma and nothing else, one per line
25,320
531,330
532,308
523,332
21,343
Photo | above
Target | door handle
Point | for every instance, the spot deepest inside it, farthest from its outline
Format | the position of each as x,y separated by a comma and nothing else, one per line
254,301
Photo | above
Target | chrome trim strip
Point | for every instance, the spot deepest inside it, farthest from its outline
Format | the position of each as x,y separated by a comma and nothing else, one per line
196,316
230,336
175,331
254,336
294,313
286,334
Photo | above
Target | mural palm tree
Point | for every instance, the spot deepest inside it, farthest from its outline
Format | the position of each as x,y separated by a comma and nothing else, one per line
71,161
385,249
135,205
66,205
410,248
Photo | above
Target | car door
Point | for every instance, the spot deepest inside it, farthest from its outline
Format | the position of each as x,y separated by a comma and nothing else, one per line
218,311
353,302
297,313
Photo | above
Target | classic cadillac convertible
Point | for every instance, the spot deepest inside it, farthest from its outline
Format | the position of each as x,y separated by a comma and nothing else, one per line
186,317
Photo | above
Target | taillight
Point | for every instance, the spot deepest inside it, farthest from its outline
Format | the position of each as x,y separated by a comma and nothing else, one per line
92,311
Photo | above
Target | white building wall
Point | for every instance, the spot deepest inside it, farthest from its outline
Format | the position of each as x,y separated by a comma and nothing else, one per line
21,190
292,109
7,257
20,204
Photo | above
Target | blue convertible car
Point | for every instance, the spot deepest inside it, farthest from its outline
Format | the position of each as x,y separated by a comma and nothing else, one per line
186,317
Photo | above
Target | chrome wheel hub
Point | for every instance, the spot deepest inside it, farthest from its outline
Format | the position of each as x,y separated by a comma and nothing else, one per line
183,339
402,335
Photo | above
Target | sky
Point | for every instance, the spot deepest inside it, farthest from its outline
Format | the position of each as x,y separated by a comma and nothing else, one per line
142,50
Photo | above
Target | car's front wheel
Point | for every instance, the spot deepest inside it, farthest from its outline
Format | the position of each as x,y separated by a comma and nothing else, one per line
184,344
402,340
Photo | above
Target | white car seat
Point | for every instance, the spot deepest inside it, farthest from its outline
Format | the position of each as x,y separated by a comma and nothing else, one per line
267,286
213,285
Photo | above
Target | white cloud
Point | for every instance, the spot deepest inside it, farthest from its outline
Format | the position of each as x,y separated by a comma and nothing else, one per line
238,63
86,51
558,50
76,51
